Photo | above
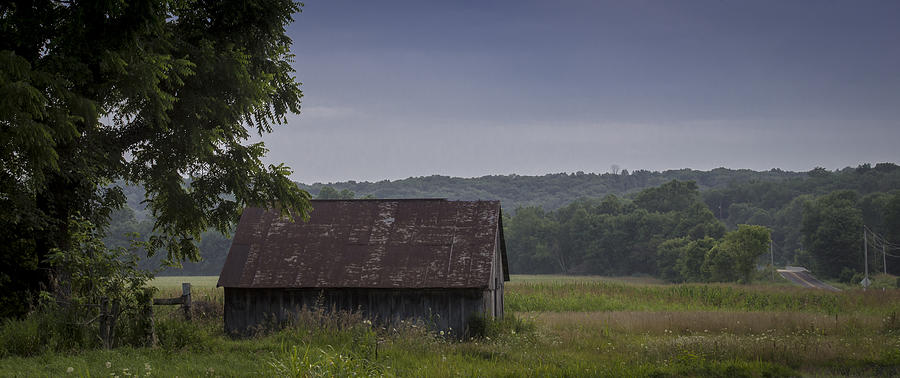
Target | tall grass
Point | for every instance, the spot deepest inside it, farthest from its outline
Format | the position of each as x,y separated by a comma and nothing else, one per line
657,331
613,296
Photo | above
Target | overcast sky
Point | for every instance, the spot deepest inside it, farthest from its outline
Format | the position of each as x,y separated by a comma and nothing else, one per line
394,89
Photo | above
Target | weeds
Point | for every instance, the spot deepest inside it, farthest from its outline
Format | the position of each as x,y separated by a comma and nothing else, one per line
298,361
615,296
486,327
704,332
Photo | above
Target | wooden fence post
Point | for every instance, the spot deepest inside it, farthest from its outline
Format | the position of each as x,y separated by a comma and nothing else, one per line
104,322
149,322
186,296
184,300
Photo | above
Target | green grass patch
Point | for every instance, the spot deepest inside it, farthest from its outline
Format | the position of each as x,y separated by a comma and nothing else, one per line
174,282
598,295
612,329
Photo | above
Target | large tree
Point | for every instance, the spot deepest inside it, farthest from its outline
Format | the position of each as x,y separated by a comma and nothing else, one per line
161,93
832,231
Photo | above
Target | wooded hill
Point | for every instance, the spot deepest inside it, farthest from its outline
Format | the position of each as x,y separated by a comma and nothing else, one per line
550,191
572,207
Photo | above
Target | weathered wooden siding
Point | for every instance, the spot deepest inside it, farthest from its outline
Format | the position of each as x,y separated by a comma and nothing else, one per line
444,309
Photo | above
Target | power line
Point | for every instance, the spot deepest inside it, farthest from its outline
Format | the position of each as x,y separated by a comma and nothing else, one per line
876,239
881,239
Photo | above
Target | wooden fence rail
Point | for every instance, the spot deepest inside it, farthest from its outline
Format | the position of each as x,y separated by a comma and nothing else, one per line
184,300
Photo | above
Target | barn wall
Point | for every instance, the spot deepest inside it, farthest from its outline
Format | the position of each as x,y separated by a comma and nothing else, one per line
444,309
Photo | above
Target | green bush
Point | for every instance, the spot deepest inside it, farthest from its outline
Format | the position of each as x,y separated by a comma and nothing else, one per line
847,275
22,337
48,329
177,334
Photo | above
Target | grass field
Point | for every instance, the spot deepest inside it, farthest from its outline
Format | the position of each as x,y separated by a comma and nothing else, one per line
174,282
562,326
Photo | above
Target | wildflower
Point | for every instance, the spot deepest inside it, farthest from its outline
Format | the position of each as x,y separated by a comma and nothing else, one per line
70,369
108,364
442,333
147,366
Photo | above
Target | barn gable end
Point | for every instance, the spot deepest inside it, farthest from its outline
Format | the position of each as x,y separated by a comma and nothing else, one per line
437,260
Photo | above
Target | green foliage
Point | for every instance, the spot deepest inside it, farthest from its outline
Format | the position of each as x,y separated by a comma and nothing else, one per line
558,296
550,191
176,334
299,361
611,236
98,291
96,94
733,259
671,196
774,199
660,330
25,337
689,264
718,265
832,226
328,192
668,254
745,245
531,242
90,271
779,205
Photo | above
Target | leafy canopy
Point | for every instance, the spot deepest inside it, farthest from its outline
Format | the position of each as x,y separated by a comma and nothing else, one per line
150,92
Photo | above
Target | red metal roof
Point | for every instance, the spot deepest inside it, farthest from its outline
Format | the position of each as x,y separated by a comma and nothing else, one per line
421,243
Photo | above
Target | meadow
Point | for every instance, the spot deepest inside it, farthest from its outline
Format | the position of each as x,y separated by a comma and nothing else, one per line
559,326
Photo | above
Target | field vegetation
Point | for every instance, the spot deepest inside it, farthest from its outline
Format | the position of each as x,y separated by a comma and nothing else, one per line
557,326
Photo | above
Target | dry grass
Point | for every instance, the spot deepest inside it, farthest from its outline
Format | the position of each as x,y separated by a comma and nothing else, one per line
709,322
516,279
174,282
809,342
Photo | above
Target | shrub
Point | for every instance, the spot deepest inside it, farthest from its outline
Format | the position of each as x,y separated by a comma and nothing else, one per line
95,290
176,334
23,337
847,275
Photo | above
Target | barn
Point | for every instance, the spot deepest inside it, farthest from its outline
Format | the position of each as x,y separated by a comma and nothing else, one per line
431,259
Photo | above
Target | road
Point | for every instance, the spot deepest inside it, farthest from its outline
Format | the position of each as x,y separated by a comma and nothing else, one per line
801,276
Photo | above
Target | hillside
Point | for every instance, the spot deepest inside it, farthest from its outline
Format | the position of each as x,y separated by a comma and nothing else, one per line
773,198
550,191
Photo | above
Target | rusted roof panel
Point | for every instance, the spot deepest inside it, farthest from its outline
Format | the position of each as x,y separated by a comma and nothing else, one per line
422,243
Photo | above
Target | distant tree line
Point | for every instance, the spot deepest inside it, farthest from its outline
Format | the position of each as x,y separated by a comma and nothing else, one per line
665,231
817,221
551,191
682,230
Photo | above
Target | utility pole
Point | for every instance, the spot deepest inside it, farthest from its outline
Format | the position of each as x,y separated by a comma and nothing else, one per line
866,252
772,252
